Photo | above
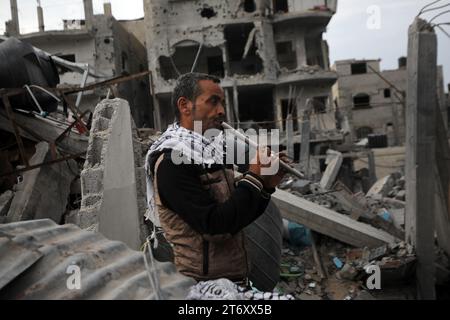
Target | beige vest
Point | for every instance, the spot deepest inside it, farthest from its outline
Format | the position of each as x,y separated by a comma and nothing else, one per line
205,257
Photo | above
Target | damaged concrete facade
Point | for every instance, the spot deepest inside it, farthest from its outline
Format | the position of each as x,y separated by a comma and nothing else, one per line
372,105
110,50
374,100
270,55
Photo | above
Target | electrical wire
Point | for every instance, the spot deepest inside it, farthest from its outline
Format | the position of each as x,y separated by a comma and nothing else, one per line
443,30
436,8
427,6
440,14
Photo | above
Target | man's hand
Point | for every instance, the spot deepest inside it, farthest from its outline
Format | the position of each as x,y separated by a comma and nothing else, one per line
263,159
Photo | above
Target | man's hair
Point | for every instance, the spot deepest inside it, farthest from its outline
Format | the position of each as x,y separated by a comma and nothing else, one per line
187,86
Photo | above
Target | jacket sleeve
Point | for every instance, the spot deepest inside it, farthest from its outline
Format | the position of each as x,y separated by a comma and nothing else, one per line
181,191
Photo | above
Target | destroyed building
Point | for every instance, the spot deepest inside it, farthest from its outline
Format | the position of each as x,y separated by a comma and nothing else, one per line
374,99
270,55
104,44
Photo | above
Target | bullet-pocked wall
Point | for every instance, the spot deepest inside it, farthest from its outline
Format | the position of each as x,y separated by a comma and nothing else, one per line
251,45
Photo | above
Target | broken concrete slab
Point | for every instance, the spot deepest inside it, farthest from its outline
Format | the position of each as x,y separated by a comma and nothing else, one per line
46,129
111,180
5,202
349,202
43,192
382,187
398,218
301,186
329,222
334,162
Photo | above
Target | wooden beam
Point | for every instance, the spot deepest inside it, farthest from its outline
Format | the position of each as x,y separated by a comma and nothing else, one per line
329,222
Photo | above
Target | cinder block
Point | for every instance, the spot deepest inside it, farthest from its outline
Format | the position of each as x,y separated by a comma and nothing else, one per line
94,152
92,181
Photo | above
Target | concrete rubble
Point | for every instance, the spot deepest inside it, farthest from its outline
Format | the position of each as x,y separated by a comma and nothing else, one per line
44,192
339,270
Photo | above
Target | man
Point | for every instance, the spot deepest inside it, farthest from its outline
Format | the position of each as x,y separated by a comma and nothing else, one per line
201,210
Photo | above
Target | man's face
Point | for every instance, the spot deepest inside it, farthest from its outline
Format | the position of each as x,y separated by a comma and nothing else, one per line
209,107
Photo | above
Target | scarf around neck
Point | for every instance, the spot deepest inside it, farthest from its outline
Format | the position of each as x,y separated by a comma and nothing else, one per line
190,145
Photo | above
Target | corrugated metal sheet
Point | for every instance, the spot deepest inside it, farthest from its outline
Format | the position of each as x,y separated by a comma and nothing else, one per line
35,256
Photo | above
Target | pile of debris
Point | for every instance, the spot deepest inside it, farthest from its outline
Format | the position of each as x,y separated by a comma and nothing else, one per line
346,273
49,191
332,267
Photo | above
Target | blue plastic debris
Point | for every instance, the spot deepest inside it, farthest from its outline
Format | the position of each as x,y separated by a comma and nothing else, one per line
385,215
338,263
299,235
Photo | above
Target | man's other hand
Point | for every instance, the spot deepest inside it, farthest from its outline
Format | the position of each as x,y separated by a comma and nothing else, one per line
263,159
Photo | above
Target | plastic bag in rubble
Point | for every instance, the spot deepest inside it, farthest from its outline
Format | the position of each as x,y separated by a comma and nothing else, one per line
297,234
224,289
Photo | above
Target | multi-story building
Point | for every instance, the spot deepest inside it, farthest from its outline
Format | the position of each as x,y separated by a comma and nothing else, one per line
105,45
374,100
270,55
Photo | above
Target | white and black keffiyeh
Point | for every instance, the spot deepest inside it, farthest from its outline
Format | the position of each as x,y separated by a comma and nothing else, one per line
186,144
224,289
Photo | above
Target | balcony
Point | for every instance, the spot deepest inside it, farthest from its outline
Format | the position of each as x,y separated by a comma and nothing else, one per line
309,11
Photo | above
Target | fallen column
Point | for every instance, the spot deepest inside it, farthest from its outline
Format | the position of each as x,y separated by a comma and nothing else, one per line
329,222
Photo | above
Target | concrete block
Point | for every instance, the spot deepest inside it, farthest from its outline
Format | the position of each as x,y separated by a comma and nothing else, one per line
334,162
44,191
382,187
90,201
91,181
101,124
94,152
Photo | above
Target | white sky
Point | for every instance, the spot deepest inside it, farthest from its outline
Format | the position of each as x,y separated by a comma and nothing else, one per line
348,35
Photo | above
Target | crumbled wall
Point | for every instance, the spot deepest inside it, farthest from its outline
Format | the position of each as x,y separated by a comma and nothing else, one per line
112,182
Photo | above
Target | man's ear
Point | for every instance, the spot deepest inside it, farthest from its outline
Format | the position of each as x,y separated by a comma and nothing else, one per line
184,106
